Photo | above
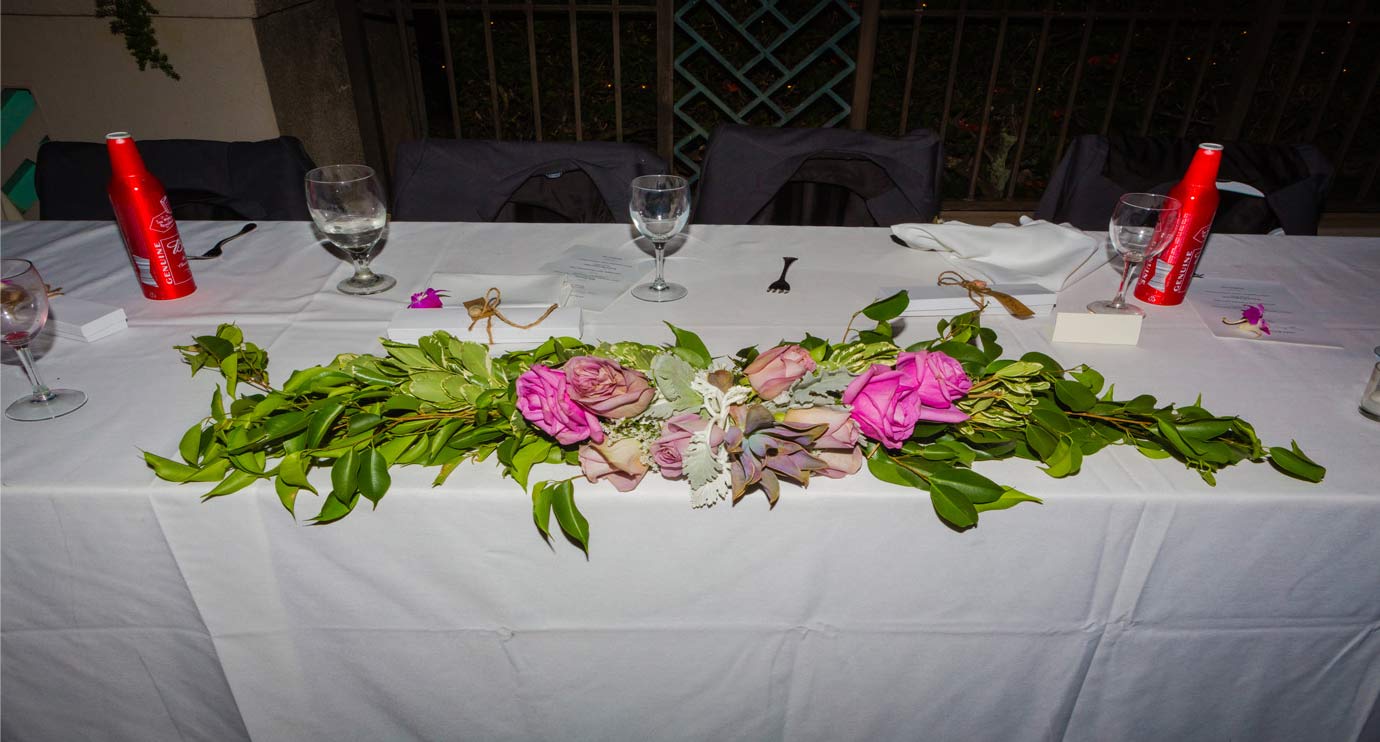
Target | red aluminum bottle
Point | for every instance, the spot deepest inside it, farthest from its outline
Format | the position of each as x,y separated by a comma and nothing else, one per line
146,223
1164,279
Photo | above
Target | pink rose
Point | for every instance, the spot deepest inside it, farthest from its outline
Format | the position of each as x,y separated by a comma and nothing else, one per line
888,402
544,401
773,371
843,430
606,388
841,463
950,380
618,461
669,450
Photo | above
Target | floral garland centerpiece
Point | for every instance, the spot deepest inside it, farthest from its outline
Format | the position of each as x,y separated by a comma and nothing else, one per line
918,417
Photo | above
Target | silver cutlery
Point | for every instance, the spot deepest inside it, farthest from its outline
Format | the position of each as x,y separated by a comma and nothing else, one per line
779,286
215,251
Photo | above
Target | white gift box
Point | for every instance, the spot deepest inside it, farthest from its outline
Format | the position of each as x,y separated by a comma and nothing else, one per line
948,301
409,325
87,321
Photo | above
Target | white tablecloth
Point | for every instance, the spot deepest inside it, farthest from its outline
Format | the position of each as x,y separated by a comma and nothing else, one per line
1136,603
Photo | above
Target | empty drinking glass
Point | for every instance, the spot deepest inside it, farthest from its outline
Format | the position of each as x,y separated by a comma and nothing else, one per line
347,204
1142,225
660,207
23,311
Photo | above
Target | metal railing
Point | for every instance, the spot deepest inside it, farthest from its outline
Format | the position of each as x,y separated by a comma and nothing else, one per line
1006,84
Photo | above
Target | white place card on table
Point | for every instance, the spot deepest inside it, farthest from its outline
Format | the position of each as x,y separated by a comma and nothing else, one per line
947,301
1105,329
83,320
524,299
1218,299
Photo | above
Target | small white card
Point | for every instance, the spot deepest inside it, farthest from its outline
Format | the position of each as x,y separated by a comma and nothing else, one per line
83,320
1218,299
1106,329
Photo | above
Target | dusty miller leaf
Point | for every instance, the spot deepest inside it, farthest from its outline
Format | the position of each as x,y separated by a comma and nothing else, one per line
820,387
707,471
673,376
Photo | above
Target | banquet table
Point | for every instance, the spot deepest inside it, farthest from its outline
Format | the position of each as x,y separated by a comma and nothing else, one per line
1135,603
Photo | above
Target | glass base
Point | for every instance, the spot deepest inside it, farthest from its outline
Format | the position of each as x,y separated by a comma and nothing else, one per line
1107,307
1373,415
664,292
59,403
378,284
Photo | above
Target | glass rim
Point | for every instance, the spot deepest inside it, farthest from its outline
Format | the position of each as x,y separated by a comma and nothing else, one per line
7,263
318,175
676,181
1151,201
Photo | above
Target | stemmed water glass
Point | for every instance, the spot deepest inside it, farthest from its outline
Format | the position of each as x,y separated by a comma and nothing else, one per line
660,207
1142,225
23,310
347,204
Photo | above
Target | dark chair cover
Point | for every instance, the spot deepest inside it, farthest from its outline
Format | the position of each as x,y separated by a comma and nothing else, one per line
1097,170
823,177
472,180
204,179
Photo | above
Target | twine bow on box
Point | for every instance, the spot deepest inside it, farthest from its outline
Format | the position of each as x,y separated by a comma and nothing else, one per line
979,290
485,309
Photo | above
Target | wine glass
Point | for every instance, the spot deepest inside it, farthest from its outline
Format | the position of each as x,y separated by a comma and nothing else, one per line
1141,226
23,310
660,207
347,204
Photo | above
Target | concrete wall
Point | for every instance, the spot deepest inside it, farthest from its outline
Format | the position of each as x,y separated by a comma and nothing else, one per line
87,84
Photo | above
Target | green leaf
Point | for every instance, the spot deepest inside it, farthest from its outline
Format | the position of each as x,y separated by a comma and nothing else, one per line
690,347
953,507
334,509
1016,369
542,497
237,481
1074,395
1052,419
885,468
363,421
176,471
1010,498
1089,378
569,516
885,310
286,424
1067,459
321,422
301,380
217,406
964,354
287,494
1295,463
218,348
526,457
966,482
374,479
230,368
293,472
673,375
1204,429
190,445
474,357
409,355
1050,365
345,475
1040,441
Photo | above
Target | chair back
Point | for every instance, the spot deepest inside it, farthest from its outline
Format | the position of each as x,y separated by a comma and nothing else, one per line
1097,170
204,179
818,177
472,180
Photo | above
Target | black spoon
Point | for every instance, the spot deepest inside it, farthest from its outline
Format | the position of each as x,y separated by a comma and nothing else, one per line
215,251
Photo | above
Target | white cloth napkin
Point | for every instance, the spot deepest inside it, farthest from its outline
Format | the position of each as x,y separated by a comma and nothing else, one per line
524,298
1034,252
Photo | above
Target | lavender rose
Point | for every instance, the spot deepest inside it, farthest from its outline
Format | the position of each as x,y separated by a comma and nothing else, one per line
543,399
620,462
774,370
606,388
888,402
669,450
840,463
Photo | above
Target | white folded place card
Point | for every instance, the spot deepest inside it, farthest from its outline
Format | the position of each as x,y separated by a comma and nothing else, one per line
530,289
1108,329
943,301
410,325
83,320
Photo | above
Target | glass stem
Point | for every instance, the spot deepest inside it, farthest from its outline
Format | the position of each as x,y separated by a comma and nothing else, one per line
1127,269
41,391
660,282
361,261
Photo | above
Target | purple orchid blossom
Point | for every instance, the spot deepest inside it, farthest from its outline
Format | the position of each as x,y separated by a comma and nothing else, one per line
1255,315
429,299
